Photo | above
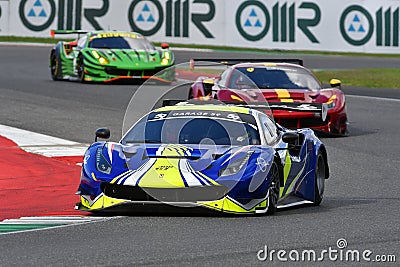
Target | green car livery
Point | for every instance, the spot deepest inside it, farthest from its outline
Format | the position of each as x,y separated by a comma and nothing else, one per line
106,56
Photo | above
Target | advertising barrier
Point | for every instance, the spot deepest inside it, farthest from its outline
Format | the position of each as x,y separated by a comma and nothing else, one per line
369,26
3,17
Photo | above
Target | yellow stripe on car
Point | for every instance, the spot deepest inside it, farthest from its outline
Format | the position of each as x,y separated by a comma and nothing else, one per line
286,171
165,171
283,95
119,176
229,206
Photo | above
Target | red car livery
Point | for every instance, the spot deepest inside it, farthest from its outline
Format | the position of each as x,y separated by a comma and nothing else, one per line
295,96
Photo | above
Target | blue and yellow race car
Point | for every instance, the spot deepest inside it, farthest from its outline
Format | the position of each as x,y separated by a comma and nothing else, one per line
224,158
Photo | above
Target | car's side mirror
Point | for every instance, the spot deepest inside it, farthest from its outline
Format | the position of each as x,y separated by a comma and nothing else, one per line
335,83
164,46
291,138
103,133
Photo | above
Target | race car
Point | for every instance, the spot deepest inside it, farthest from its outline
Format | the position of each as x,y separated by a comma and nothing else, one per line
283,83
203,156
105,56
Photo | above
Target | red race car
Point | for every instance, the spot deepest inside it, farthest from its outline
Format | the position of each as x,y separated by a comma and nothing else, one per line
293,93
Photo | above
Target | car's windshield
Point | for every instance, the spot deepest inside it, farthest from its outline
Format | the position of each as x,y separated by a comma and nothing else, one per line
120,41
193,130
274,77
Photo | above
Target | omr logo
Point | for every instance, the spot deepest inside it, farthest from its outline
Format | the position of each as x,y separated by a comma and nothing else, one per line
37,10
253,19
37,15
146,16
356,25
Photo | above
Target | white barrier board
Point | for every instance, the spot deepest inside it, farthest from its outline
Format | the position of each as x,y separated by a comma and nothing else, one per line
342,25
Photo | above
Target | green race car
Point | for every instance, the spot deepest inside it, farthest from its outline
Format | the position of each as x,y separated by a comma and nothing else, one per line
105,56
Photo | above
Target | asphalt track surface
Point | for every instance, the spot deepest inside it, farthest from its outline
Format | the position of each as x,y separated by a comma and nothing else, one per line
361,201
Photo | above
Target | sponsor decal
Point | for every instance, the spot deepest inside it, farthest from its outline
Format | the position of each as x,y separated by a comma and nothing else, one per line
262,164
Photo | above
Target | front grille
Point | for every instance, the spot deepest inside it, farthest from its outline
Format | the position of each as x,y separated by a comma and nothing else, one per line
125,72
153,71
303,122
187,194
117,72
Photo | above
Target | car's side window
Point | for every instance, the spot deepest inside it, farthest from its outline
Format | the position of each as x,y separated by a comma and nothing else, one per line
224,76
269,129
82,42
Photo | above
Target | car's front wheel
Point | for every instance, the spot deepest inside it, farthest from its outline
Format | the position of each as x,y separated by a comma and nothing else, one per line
55,67
81,68
320,176
274,188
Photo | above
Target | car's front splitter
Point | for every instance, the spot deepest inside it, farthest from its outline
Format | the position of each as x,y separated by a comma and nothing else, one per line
226,204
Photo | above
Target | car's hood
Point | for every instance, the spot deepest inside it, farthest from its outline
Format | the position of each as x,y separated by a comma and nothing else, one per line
127,58
284,95
168,166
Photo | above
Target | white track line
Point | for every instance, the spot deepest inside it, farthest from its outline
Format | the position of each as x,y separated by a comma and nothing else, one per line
51,220
374,98
26,44
77,220
42,144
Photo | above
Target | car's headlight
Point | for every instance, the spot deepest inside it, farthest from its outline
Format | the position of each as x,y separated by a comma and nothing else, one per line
235,166
234,97
331,103
101,59
167,55
102,165
166,58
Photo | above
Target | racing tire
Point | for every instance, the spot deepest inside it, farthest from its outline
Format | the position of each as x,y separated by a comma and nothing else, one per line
55,67
191,96
274,189
81,68
320,176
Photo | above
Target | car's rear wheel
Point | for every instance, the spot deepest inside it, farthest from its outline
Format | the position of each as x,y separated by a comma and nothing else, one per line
55,67
81,68
273,191
320,176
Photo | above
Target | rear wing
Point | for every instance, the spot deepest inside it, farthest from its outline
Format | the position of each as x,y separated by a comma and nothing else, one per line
319,109
67,32
230,62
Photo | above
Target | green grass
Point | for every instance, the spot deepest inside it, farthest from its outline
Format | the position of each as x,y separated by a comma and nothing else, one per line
373,78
